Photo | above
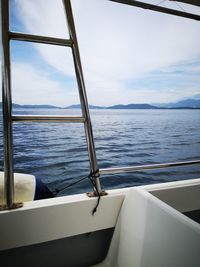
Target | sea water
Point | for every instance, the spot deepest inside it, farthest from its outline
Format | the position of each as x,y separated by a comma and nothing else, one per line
57,152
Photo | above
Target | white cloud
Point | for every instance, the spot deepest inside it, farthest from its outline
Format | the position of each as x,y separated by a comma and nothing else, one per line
118,43
41,18
117,93
31,86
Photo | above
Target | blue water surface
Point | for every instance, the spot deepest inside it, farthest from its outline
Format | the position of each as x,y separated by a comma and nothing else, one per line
57,152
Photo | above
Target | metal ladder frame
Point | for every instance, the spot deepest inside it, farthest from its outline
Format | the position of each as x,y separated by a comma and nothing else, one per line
158,8
8,119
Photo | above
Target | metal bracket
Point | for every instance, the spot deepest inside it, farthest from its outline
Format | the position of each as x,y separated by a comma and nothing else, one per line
94,194
14,206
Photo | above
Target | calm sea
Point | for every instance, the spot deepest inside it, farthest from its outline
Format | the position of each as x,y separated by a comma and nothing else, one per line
57,152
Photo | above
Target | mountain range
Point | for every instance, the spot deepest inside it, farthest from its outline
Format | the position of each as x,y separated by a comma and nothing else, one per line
187,104
192,103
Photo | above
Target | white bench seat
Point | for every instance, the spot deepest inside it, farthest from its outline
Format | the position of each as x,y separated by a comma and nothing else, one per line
150,233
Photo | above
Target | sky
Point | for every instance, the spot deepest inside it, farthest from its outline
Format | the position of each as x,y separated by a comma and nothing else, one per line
129,55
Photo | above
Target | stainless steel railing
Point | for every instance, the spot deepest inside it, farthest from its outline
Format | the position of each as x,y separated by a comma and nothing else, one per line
40,39
83,95
158,8
47,118
147,167
8,119
7,106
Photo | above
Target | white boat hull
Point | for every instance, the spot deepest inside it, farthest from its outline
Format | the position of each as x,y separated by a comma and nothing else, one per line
51,221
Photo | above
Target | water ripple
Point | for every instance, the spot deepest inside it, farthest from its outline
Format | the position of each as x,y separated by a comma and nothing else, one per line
57,153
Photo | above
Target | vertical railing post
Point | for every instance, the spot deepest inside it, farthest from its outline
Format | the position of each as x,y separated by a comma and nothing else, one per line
82,94
7,105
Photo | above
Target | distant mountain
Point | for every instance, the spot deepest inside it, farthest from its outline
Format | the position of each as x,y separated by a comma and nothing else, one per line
190,103
35,106
197,96
17,106
79,106
73,106
133,106
187,103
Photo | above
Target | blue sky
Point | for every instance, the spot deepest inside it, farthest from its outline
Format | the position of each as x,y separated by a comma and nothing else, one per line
129,55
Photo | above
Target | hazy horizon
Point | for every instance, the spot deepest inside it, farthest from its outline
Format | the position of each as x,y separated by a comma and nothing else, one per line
196,97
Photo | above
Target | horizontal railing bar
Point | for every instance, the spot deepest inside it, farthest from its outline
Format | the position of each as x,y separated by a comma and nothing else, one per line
147,167
47,118
40,39
158,9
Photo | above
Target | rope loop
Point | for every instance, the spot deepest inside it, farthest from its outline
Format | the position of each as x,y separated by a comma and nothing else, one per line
91,177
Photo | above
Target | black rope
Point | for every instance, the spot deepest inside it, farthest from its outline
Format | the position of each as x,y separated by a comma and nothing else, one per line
180,6
161,2
90,177
98,194
57,190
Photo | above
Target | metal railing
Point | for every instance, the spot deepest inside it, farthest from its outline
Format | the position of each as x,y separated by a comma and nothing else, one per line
83,95
147,167
7,106
8,119
47,118
158,8
40,39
